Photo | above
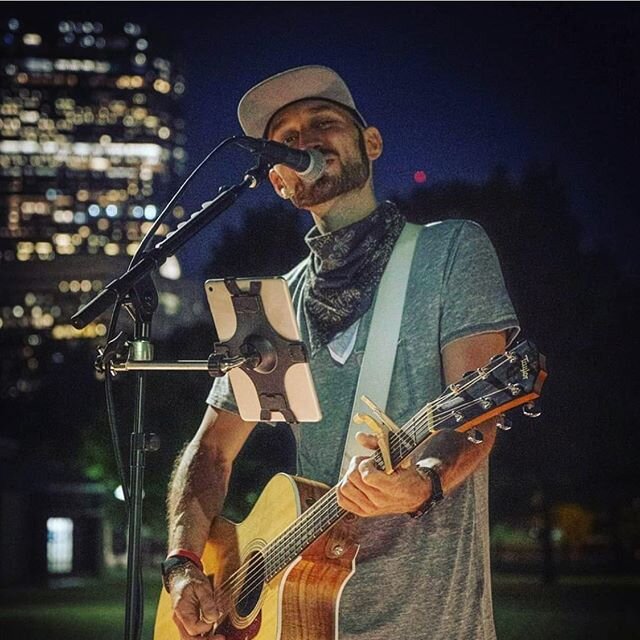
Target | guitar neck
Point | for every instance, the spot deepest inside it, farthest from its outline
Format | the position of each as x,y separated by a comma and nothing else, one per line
508,380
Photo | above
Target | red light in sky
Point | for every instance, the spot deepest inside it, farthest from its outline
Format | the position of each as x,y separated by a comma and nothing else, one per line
420,177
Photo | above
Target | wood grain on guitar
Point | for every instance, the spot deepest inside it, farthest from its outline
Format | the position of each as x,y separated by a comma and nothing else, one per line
279,574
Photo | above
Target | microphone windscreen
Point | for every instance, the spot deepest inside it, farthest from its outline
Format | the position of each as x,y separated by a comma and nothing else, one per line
316,167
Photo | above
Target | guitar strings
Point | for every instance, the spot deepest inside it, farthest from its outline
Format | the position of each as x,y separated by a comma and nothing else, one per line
320,509
399,446
247,580
250,579
317,515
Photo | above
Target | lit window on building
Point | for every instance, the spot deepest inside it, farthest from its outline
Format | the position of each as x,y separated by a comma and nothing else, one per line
59,545
32,39
89,125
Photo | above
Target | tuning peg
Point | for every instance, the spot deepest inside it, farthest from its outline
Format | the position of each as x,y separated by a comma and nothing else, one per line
504,423
475,436
514,389
486,403
532,409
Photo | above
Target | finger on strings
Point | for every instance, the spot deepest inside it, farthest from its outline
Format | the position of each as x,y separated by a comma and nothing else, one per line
185,634
189,615
209,611
367,440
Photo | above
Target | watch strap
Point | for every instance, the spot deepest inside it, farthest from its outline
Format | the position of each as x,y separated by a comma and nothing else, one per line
437,493
169,566
175,559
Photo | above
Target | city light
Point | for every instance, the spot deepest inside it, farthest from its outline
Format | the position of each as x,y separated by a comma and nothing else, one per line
32,39
171,269
87,137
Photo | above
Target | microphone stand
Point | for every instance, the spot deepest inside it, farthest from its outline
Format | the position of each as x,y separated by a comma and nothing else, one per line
136,286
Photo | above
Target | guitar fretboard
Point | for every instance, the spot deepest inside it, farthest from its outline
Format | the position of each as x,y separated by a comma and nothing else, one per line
318,519
508,380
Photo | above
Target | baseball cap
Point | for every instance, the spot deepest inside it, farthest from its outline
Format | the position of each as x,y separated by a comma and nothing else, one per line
260,103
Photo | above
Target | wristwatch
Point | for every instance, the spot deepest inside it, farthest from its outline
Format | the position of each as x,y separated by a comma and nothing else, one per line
169,565
436,490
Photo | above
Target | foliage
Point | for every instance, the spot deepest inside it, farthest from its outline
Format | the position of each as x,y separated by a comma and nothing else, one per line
576,305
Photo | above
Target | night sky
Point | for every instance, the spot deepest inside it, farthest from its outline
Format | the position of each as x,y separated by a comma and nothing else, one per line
456,89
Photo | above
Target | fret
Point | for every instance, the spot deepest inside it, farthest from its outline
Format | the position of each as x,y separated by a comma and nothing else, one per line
507,380
318,519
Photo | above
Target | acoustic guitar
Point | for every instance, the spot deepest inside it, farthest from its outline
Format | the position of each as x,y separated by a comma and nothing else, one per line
278,575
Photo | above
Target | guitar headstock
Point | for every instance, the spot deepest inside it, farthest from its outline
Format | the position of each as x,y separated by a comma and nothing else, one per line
509,380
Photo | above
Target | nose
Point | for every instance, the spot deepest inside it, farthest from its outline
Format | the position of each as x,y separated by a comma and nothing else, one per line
308,139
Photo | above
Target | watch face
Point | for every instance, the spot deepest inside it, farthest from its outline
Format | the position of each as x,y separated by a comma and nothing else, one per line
173,562
169,565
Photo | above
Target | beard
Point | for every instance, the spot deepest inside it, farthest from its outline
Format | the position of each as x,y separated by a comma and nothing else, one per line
352,175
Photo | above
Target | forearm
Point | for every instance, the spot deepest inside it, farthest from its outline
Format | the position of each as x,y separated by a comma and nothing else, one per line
455,457
367,491
196,495
201,477
458,457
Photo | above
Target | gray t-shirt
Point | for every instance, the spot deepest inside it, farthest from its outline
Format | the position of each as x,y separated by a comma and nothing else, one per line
426,578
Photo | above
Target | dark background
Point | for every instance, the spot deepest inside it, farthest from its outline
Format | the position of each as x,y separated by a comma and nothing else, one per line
524,118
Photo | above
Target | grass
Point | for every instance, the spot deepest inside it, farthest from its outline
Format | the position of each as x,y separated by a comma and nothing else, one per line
92,609
593,607
572,609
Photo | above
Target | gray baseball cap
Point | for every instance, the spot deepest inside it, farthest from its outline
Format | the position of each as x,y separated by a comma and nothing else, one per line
262,102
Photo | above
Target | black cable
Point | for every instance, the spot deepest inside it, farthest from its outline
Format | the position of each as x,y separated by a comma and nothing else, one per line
111,407
115,440
146,241
110,397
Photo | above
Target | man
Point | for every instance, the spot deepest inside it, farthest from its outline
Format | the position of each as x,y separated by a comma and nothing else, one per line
418,577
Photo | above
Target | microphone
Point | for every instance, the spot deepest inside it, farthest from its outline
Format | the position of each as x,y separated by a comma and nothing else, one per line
309,164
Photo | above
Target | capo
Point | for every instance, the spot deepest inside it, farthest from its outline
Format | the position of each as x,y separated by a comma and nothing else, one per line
381,427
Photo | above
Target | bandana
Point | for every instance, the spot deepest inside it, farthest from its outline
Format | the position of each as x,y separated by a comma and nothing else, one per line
344,271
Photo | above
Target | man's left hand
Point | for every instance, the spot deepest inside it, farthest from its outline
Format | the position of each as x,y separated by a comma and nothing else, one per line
367,491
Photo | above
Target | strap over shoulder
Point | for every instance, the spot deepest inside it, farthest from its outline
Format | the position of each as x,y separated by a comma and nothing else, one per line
382,342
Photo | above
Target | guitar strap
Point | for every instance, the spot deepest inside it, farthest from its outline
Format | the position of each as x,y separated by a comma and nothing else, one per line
382,342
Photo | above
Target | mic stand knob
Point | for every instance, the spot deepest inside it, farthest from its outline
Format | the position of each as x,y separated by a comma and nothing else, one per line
218,364
110,352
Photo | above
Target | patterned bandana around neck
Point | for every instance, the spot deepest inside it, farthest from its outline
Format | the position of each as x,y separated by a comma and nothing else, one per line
344,270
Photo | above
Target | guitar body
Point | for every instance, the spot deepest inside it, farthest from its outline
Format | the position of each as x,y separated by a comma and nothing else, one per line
301,601
279,574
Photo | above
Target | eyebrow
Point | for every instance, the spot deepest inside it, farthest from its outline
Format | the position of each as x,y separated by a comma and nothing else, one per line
277,123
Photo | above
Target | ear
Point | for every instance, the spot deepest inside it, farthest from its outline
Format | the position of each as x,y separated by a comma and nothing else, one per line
278,184
373,142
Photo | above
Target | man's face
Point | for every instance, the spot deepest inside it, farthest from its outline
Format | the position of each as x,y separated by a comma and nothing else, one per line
321,125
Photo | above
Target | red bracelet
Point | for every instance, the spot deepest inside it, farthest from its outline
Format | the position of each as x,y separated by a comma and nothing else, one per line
190,555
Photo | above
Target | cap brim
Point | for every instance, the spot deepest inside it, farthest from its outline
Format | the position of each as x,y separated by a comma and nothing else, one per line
262,102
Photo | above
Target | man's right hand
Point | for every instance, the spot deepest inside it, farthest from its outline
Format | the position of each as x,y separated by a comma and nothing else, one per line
195,611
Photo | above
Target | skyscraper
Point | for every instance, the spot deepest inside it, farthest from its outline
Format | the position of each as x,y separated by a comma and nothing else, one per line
90,139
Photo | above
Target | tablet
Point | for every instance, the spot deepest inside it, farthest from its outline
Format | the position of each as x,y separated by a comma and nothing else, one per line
298,388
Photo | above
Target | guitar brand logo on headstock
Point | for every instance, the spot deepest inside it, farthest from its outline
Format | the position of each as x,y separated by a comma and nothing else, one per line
524,367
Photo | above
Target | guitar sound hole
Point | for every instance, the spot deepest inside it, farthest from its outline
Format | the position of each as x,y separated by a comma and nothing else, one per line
252,585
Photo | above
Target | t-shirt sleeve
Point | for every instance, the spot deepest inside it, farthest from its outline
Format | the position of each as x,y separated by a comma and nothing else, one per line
475,298
221,395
